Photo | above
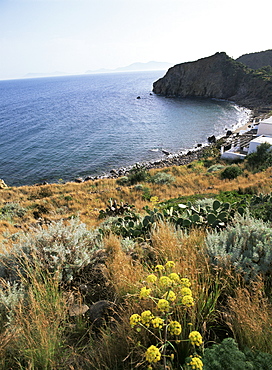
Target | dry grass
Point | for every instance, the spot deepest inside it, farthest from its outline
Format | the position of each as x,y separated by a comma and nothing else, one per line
39,319
63,201
124,272
250,317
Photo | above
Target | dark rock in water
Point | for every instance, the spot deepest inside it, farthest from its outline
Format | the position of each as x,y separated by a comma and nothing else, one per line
212,139
138,97
165,152
79,179
114,173
228,133
41,183
199,145
89,178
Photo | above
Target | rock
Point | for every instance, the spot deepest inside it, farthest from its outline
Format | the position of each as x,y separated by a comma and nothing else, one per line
228,133
89,178
217,76
138,97
77,309
102,312
79,180
212,139
165,152
3,185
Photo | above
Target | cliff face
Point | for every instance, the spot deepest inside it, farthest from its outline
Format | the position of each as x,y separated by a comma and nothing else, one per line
217,76
257,60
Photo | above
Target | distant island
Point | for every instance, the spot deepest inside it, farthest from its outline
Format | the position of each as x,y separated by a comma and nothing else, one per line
149,66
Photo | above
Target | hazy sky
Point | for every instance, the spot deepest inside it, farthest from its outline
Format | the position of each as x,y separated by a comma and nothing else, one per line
73,36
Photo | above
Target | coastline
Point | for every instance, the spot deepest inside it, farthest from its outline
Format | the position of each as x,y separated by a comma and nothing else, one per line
179,159
174,159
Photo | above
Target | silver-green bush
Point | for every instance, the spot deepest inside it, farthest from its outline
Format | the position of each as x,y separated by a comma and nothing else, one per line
58,247
247,245
161,178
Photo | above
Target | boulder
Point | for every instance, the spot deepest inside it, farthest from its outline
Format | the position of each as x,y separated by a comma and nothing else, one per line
3,185
101,313
212,139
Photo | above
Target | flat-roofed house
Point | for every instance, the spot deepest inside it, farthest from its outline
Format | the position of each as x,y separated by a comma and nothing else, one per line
265,127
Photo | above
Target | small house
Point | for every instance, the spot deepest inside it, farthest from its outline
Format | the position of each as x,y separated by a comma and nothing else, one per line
247,143
265,127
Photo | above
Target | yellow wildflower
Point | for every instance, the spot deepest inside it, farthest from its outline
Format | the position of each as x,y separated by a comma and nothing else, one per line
170,296
145,292
174,328
195,338
152,354
165,281
134,319
169,264
157,322
185,291
146,318
196,363
159,268
185,282
174,277
187,300
154,200
163,305
151,278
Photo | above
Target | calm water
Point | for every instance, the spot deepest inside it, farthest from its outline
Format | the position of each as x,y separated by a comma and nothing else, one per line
65,127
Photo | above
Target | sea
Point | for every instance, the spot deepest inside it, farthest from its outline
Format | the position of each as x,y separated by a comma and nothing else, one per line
56,129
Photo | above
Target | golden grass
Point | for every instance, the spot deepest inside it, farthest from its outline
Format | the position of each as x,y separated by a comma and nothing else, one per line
124,272
188,252
40,320
250,317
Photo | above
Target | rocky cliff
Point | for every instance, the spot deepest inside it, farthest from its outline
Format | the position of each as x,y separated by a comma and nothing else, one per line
217,76
257,60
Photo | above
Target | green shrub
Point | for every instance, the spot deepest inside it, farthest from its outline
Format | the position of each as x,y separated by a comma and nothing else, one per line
261,159
260,360
226,356
161,178
247,245
231,172
261,207
215,167
122,181
137,174
11,210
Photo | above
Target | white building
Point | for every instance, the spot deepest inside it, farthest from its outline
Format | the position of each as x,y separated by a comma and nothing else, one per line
258,141
265,127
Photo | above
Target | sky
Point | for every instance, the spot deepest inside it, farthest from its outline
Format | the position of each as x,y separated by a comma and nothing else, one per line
73,36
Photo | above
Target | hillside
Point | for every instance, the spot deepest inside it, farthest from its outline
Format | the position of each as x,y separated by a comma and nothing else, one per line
257,60
162,269
220,77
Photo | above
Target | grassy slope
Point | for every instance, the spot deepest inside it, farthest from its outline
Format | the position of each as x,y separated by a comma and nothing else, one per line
63,201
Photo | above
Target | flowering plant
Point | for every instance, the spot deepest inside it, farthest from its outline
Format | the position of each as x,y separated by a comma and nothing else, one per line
168,294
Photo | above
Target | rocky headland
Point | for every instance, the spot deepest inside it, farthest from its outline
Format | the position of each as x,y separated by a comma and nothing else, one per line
257,60
219,77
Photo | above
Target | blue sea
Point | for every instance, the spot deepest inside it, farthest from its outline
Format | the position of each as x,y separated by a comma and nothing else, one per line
64,127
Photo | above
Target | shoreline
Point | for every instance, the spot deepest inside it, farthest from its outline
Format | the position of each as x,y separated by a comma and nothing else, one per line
170,159
176,159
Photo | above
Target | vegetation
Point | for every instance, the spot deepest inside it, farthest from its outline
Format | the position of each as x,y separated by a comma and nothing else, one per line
162,269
